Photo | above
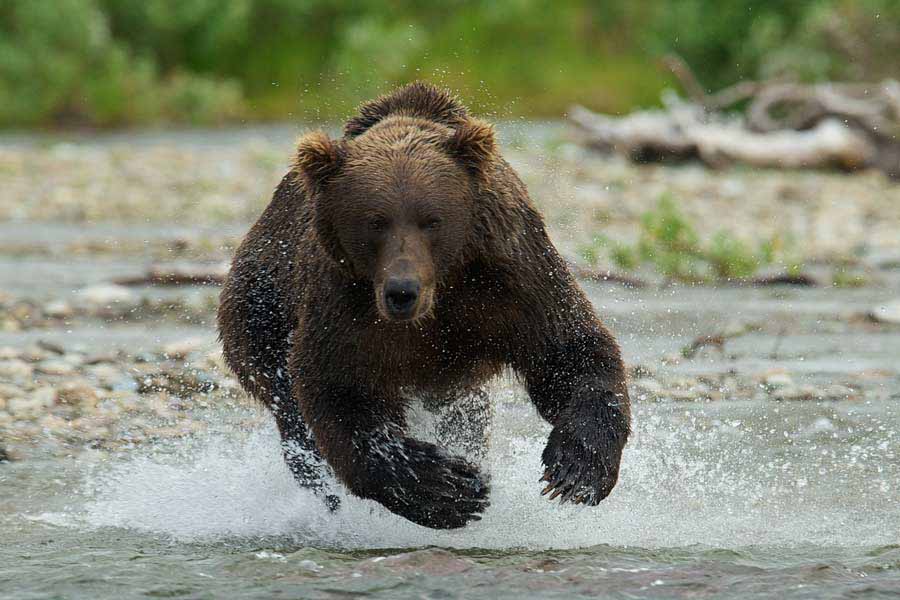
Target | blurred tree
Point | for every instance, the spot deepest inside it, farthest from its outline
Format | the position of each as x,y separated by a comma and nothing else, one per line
126,61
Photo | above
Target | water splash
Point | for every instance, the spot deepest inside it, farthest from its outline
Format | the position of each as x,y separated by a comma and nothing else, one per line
690,476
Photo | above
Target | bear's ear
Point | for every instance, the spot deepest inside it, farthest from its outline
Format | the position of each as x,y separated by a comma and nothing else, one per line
318,158
473,145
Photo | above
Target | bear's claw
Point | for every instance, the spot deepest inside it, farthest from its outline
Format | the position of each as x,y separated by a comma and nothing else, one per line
432,488
578,473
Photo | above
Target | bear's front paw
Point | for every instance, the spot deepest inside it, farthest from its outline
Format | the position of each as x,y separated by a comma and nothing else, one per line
582,466
426,485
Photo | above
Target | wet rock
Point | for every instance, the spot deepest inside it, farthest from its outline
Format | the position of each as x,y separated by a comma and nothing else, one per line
15,369
794,392
111,377
182,348
32,405
55,367
107,295
34,353
8,352
431,561
45,395
59,309
78,394
4,455
8,390
102,357
181,383
886,313
777,381
51,347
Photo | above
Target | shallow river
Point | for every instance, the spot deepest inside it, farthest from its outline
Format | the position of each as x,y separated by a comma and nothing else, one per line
733,498
721,499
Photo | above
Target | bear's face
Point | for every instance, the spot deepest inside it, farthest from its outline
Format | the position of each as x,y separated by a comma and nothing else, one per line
395,207
402,220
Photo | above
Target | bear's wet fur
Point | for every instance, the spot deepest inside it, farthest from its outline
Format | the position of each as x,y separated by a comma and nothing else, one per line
404,258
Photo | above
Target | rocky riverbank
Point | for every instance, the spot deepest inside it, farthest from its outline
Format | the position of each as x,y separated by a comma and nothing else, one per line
59,401
98,350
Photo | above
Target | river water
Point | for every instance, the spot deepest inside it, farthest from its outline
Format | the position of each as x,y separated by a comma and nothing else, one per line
739,497
715,500
729,498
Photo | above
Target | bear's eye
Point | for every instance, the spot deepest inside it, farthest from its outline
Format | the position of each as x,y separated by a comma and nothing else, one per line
378,224
432,224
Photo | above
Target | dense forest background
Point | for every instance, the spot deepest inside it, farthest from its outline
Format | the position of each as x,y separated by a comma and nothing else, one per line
123,62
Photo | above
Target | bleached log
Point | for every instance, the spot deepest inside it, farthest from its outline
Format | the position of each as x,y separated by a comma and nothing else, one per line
681,132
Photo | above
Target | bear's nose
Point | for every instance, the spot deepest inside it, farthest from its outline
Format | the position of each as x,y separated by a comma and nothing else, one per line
400,296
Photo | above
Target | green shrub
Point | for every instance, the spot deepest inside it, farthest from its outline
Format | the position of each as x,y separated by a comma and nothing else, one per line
670,245
108,62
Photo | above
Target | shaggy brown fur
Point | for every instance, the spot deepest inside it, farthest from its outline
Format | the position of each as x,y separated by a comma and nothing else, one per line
407,257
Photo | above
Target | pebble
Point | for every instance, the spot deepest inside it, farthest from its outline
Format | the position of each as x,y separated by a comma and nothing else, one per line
802,392
110,377
28,407
59,309
8,390
777,381
15,369
182,348
55,367
106,295
887,313
77,393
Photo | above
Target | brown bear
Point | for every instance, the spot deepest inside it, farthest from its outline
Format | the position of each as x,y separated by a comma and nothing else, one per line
407,258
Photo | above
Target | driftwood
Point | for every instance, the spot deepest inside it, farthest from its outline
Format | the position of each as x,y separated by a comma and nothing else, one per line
716,340
603,276
179,274
785,125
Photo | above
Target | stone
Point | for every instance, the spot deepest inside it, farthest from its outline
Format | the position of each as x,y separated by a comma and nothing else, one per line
182,348
110,377
15,369
45,395
34,354
777,380
801,392
8,390
888,312
77,393
59,309
51,347
30,406
55,367
105,295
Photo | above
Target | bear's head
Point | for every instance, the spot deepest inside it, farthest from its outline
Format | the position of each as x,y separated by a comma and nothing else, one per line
395,200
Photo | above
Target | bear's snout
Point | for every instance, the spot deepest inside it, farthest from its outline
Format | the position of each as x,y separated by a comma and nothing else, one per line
401,295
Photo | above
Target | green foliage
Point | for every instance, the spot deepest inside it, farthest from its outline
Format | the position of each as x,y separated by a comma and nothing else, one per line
60,63
109,62
670,245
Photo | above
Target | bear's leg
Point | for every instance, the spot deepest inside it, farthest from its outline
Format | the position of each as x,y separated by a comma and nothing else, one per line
578,386
361,435
255,327
297,444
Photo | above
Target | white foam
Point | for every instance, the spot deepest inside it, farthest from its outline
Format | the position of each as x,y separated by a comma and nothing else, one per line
680,485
